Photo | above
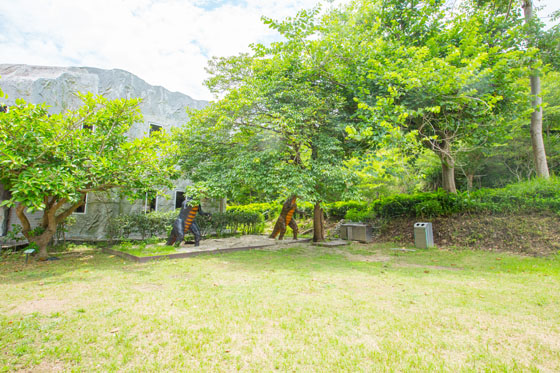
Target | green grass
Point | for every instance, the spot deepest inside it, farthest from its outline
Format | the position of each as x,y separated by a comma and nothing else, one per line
358,308
144,248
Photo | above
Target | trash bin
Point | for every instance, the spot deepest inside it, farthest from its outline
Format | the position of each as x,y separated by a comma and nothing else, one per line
423,236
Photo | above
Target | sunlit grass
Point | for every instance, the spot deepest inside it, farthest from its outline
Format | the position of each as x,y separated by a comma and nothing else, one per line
144,248
306,308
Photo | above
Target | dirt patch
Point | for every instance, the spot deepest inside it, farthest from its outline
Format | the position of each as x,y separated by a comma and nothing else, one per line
44,367
231,242
45,306
148,288
374,258
411,265
535,234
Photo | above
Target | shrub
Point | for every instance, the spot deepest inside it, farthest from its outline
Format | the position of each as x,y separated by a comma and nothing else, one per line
534,195
160,223
338,210
268,210
428,209
120,227
356,215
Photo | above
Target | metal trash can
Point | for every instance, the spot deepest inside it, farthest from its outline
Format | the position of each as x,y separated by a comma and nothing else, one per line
356,232
423,235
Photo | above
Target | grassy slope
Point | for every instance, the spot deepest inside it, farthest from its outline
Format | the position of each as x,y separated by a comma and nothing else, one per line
365,308
531,233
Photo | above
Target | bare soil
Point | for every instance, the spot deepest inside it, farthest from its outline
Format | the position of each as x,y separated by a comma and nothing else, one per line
234,242
44,306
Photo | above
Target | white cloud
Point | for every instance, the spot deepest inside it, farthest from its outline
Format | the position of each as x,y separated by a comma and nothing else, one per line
165,42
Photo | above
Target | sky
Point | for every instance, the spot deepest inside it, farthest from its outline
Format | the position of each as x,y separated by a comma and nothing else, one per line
164,42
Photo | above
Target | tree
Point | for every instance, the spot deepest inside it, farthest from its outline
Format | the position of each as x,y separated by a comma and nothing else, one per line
279,128
416,67
49,162
537,141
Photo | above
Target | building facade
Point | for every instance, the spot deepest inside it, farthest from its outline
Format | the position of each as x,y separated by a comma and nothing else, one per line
56,87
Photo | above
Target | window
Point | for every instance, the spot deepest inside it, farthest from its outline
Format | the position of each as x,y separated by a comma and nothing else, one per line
150,203
3,109
88,127
82,208
154,128
179,199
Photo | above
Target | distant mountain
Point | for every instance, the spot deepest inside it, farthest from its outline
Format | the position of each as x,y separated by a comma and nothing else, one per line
56,86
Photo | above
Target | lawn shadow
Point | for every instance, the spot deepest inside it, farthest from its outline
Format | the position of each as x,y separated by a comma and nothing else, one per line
84,259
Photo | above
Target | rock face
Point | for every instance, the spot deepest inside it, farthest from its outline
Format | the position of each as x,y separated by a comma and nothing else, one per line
56,86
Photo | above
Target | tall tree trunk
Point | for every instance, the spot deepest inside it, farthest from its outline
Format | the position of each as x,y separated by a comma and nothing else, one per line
447,167
470,178
318,223
539,153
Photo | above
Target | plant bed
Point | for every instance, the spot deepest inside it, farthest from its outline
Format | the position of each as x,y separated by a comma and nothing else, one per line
141,252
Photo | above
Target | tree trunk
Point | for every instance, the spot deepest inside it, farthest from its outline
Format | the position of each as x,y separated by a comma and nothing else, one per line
537,141
42,242
49,223
539,153
318,223
5,211
470,178
447,167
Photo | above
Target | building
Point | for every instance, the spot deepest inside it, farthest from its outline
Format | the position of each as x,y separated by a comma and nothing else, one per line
56,86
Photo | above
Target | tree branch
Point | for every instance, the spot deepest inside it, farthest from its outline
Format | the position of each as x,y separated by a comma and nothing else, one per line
25,225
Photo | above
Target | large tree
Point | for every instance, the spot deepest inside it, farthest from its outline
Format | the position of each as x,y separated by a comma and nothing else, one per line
449,77
279,128
49,162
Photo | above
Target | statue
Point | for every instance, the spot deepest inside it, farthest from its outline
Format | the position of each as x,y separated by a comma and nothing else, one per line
185,222
286,219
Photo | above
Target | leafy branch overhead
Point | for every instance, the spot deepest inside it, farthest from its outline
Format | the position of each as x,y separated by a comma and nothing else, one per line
50,161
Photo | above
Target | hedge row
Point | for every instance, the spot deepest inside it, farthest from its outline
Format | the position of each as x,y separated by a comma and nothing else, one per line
533,195
536,195
270,211
160,223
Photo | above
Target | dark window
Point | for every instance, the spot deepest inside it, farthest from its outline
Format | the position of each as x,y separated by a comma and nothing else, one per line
82,208
3,109
179,199
151,202
88,127
154,128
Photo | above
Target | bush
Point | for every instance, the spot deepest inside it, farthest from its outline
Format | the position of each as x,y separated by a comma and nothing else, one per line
356,215
267,210
429,209
120,227
160,223
338,210
244,222
271,210
533,195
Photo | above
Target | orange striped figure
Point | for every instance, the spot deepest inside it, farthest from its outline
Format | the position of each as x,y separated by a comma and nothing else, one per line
286,219
184,223
190,218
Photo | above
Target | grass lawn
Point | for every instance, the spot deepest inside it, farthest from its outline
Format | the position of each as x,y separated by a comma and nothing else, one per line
305,308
